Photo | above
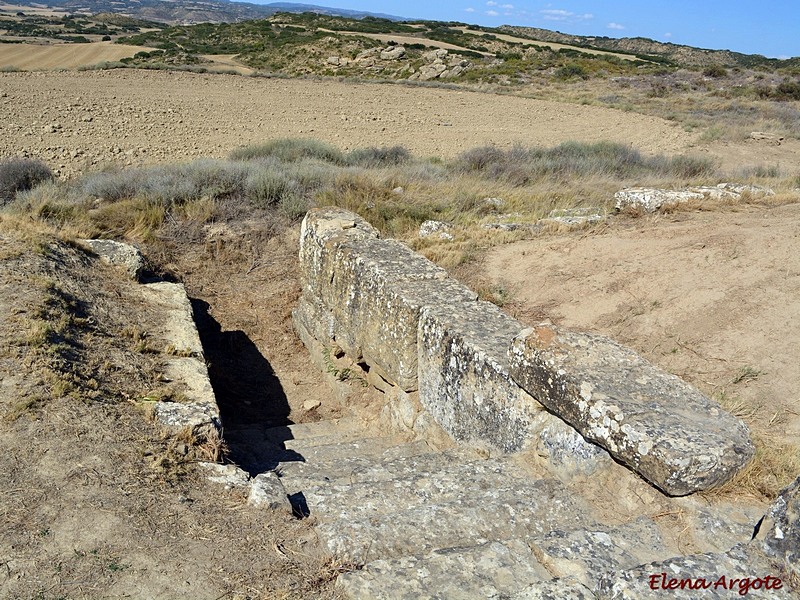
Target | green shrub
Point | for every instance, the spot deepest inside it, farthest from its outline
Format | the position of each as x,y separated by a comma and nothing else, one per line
572,71
715,71
20,174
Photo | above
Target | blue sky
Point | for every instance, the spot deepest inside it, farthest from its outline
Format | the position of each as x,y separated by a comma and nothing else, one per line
767,27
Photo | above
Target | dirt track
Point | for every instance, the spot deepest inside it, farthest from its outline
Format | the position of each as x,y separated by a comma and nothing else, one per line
129,116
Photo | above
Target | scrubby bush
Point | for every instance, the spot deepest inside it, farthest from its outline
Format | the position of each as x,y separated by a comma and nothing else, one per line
570,160
291,150
379,157
20,174
715,71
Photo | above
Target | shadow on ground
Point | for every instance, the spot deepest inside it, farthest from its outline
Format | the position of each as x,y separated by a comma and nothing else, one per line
250,396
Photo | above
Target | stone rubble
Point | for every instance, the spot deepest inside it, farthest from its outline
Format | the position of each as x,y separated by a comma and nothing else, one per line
651,200
492,498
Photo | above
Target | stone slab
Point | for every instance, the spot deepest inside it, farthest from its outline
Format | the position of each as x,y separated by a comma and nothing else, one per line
462,573
464,380
522,510
651,421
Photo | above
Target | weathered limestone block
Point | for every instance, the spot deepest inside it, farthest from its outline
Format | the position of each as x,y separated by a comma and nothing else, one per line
267,491
200,418
740,572
230,476
393,53
779,533
649,420
311,318
586,554
321,230
119,254
565,452
463,375
652,199
374,290
755,191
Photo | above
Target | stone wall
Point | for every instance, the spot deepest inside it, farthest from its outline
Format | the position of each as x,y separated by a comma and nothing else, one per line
441,355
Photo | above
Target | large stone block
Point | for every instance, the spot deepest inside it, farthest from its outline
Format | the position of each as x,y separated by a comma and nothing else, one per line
654,422
321,230
372,291
463,375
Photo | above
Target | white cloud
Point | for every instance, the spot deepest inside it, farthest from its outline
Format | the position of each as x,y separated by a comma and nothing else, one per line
668,35
557,14
470,9
492,13
615,26
507,6
491,3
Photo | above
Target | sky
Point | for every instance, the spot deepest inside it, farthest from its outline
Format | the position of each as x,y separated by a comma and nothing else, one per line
768,27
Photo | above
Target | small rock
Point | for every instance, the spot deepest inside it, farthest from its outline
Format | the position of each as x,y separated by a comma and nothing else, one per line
398,190
311,404
334,60
393,53
230,476
770,137
438,228
574,216
494,203
119,255
267,491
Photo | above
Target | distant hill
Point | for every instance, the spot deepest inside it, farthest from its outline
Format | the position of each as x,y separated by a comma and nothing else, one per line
674,53
193,11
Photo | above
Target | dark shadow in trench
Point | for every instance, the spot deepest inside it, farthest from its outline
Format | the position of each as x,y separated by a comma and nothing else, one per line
250,396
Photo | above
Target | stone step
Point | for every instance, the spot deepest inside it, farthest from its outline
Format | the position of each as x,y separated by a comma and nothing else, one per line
463,573
384,469
345,500
521,510
578,557
337,461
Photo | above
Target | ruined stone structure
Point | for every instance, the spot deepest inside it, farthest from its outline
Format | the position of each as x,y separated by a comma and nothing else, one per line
498,471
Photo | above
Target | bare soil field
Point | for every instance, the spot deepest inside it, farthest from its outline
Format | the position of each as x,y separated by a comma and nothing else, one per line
139,117
84,120
45,57
709,296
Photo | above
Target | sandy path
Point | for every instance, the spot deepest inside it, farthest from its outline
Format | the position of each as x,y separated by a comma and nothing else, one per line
62,56
146,117
704,295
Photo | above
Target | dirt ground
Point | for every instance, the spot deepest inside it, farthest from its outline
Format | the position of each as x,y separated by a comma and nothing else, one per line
82,120
709,296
